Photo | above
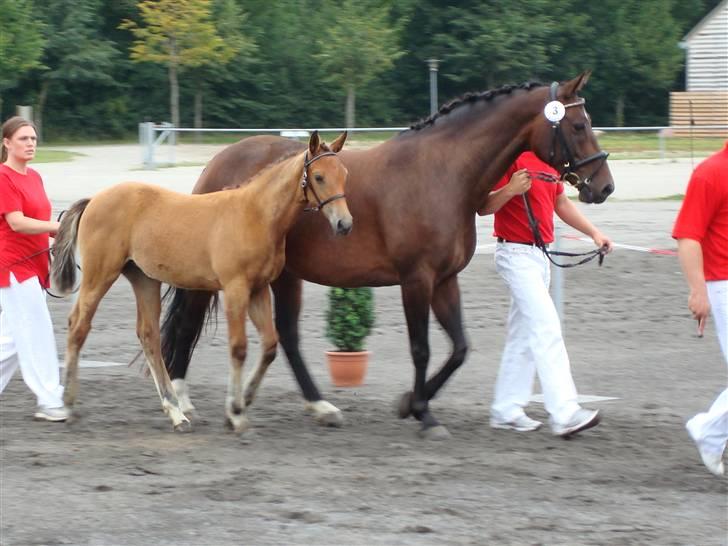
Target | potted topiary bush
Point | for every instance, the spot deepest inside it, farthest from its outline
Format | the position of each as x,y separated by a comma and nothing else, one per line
349,319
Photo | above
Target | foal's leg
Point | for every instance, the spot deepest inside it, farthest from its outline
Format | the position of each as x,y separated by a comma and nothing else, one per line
261,314
287,294
237,296
416,297
93,288
148,302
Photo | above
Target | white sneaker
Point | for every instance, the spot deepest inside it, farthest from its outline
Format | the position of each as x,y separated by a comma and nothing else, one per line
52,414
522,423
581,420
713,461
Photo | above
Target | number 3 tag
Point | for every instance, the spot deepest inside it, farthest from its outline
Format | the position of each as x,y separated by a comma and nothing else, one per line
554,111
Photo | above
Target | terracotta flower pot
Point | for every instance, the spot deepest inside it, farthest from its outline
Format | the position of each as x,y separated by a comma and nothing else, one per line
347,369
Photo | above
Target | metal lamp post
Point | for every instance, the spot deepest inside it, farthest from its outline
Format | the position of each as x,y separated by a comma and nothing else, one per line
433,64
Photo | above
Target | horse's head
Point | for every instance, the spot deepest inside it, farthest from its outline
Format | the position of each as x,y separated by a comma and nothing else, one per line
324,178
562,136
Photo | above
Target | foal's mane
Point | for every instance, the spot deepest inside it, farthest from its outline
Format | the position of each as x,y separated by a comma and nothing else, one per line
470,98
323,146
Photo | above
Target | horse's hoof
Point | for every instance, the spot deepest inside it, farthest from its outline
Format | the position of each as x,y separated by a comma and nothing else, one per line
192,414
325,413
437,433
184,426
404,408
238,424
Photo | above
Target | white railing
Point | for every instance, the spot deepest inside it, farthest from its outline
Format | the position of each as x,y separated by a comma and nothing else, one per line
152,135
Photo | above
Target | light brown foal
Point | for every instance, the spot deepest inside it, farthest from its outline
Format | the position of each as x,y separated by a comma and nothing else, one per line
232,241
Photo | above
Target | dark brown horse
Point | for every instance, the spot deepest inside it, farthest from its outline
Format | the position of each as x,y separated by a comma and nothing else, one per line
415,198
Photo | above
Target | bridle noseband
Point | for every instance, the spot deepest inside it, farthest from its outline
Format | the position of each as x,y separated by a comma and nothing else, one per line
568,171
306,185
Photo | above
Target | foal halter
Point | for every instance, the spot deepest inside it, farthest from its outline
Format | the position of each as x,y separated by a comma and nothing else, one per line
568,171
306,185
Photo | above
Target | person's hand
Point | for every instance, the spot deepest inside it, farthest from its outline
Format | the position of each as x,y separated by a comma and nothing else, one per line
55,226
519,183
602,241
699,306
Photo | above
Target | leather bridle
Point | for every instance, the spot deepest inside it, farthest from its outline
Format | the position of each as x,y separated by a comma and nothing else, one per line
306,185
567,171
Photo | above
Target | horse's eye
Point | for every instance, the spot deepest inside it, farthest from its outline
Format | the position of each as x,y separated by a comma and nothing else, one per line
579,126
319,179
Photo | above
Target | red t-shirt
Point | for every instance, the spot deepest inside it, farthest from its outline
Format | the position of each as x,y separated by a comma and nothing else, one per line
24,193
704,214
511,220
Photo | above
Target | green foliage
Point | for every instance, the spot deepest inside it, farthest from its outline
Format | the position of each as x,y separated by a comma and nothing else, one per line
350,317
263,63
21,41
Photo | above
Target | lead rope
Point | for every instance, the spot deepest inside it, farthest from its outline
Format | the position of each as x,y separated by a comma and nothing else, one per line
538,241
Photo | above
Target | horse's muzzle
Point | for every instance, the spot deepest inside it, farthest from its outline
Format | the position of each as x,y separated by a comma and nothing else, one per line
343,227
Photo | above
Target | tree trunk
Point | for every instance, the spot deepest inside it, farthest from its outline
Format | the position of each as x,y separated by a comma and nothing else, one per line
619,112
38,114
174,94
350,106
198,113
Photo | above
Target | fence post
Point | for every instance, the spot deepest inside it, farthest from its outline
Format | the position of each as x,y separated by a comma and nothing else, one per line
146,140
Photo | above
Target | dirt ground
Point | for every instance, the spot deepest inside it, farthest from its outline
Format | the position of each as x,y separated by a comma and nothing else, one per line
118,475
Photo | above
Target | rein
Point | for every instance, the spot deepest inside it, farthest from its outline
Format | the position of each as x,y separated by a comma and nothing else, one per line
50,252
306,185
568,172
538,240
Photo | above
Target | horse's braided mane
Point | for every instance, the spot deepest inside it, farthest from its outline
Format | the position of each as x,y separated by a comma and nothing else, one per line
284,157
469,98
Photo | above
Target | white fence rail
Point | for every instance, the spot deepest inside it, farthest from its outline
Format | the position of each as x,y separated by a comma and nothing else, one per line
152,135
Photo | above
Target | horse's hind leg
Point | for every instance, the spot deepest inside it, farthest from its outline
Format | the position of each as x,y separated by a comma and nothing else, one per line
236,295
287,293
147,292
261,314
92,290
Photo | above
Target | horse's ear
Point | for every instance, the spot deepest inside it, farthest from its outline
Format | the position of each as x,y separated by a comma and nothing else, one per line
572,87
338,144
314,143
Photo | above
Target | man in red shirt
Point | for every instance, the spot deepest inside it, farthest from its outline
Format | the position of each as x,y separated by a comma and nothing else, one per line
534,343
701,230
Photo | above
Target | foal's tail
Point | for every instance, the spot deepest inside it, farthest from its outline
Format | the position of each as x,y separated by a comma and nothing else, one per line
63,268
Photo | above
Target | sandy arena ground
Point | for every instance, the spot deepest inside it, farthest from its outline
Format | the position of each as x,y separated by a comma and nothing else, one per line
119,475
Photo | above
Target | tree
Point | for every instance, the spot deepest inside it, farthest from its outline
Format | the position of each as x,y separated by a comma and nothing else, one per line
357,42
21,42
179,34
75,55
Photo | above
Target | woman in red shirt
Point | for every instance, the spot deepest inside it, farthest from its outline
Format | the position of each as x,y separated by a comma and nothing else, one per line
26,331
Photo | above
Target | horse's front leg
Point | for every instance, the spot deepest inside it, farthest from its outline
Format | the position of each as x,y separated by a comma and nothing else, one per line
261,314
237,296
416,297
287,291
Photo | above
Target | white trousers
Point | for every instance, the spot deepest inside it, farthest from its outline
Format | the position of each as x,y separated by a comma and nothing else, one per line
27,341
534,343
712,426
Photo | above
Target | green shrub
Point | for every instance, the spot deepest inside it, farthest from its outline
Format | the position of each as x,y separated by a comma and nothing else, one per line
350,317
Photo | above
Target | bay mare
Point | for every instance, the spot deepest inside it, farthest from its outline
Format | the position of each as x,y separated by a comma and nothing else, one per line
232,241
415,198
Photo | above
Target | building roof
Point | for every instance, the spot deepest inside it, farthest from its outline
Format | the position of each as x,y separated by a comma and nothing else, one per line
704,21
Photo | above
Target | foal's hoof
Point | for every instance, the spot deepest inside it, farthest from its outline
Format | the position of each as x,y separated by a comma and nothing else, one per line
404,408
238,423
437,433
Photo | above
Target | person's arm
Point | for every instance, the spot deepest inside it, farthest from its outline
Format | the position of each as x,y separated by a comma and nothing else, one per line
519,183
690,253
20,223
569,213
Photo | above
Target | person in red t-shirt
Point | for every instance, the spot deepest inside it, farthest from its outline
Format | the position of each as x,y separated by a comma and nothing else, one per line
701,230
534,343
26,331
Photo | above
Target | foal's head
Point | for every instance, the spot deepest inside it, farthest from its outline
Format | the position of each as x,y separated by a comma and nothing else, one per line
324,178
563,137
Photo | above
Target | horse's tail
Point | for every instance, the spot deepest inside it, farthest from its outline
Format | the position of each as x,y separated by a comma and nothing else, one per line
63,268
185,317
